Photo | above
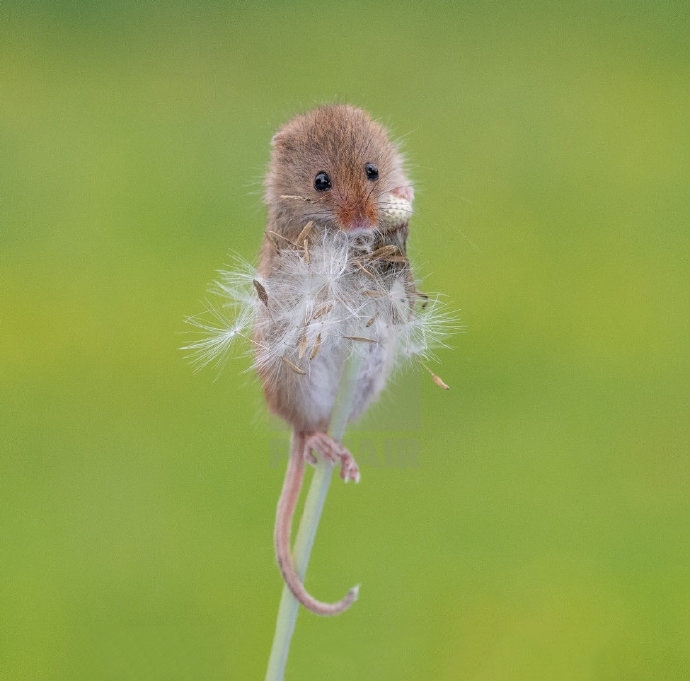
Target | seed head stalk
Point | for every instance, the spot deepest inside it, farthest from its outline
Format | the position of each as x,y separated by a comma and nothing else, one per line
313,507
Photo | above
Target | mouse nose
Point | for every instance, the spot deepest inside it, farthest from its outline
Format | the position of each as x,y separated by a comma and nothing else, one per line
359,225
357,216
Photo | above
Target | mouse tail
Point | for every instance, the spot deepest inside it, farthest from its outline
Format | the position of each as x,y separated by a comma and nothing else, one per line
286,509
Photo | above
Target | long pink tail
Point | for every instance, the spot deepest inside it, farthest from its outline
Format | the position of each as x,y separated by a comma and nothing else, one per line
286,508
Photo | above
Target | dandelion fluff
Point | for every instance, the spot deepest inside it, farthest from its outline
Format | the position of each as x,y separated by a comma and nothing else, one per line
319,304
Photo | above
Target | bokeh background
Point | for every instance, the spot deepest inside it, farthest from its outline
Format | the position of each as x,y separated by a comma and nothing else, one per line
531,523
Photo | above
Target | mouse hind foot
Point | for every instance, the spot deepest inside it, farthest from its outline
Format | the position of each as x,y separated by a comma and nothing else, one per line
334,452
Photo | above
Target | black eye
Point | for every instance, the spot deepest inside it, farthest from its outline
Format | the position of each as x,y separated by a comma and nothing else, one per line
322,182
372,171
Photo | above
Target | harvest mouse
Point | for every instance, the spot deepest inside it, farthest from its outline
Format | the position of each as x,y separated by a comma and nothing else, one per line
333,279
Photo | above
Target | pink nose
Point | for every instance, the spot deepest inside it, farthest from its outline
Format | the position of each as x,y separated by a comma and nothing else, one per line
357,218
359,224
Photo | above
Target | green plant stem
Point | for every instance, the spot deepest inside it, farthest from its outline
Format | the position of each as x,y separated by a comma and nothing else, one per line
313,507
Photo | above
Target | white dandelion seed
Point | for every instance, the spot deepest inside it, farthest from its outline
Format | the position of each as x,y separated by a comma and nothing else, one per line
308,306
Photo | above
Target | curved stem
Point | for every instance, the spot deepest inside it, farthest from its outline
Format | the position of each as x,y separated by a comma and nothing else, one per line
311,515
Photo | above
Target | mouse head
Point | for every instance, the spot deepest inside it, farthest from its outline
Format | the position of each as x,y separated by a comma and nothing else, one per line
335,166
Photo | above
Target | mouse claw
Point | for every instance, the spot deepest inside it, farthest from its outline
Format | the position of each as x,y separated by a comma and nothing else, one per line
334,452
348,468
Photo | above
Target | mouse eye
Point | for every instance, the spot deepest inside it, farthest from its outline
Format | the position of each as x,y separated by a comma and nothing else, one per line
372,171
322,182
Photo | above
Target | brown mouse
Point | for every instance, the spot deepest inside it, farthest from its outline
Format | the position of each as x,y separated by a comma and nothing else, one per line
333,279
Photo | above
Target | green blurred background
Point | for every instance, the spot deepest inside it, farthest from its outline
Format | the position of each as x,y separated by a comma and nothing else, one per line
538,526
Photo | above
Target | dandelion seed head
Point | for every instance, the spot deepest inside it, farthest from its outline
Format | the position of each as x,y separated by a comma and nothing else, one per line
316,306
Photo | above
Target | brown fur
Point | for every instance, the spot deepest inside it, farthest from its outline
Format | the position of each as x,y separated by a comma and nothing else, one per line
338,139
